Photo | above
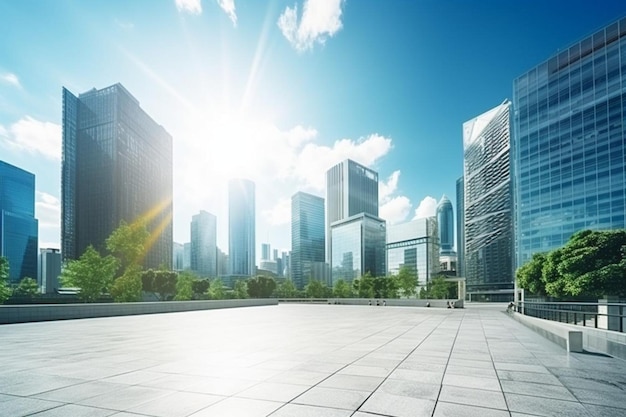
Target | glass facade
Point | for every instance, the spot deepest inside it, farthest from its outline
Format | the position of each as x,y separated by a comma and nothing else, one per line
414,244
488,204
460,228
445,221
569,161
307,238
18,226
241,227
203,244
358,245
116,165
49,270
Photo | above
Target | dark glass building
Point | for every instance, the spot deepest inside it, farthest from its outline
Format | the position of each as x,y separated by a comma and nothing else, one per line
445,218
117,165
488,206
307,237
241,228
569,143
203,244
18,226
460,228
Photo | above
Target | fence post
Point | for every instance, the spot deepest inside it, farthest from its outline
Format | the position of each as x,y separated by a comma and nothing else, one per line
608,313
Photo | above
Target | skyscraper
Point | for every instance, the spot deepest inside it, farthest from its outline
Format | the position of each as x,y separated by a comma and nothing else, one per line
307,236
18,226
49,270
460,228
569,143
204,244
117,165
241,227
265,251
488,205
351,189
445,218
178,256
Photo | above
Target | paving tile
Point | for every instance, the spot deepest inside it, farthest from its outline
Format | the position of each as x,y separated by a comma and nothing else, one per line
177,404
601,411
309,378
420,376
332,398
73,410
40,383
466,370
273,391
444,409
410,389
609,399
523,367
491,384
80,392
124,398
537,390
18,406
366,370
472,396
545,407
397,405
297,410
244,407
542,378
352,382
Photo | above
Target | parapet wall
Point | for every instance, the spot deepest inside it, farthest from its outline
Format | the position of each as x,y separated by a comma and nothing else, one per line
392,302
46,312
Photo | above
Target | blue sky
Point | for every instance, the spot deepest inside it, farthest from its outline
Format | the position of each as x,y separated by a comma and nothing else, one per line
278,91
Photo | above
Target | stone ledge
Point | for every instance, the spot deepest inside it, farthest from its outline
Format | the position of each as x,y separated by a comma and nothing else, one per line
568,337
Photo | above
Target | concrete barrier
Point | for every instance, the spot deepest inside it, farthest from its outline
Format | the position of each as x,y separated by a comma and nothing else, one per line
47,312
562,334
392,302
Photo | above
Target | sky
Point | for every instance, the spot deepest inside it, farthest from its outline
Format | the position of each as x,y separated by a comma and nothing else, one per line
278,91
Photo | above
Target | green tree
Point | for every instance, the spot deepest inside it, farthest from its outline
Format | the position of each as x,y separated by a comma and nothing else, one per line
439,288
364,286
5,289
261,286
127,288
342,289
184,287
385,287
530,275
27,288
286,289
128,243
92,273
316,289
216,290
199,286
241,289
161,283
407,281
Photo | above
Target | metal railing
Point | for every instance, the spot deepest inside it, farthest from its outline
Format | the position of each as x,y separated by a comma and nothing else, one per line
607,316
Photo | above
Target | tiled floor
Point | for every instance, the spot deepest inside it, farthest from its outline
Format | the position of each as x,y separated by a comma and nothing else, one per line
301,361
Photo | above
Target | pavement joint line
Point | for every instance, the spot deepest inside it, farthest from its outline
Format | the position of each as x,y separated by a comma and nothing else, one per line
456,335
494,366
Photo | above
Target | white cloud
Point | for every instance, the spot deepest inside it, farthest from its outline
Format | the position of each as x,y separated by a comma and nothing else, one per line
320,20
229,8
124,25
10,78
426,208
48,210
395,210
280,213
33,136
189,6
387,188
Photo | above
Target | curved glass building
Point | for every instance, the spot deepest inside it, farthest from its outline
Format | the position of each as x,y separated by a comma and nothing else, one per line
445,218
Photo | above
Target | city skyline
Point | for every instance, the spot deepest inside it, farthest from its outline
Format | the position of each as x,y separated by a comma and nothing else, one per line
307,99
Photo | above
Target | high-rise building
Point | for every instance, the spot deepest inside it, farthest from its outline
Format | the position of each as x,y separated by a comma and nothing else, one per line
265,251
460,228
204,244
49,270
187,255
178,256
445,220
307,237
351,189
117,165
569,143
488,205
415,245
358,245
18,227
241,227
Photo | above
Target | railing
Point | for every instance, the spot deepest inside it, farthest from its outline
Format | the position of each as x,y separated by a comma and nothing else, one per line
608,316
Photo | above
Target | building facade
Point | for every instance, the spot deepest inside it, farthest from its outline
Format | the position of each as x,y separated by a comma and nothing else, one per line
241,227
460,228
178,256
445,223
307,238
49,270
415,245
204,244
569,143
488,220
116,165
19,232
358,245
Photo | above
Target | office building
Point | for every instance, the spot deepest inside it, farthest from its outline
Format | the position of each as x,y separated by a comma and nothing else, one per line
265,251
358,245
178,256
460,228
445,223
187,256
241,228
307,238
488,205
18,227
204,244
415,245
116,165
49,270
568,149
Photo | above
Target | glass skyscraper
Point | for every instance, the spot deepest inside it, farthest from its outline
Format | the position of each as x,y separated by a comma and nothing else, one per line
18,226
460,228
307,236
204,244
117,165
569,142
488,205
445,220
241,228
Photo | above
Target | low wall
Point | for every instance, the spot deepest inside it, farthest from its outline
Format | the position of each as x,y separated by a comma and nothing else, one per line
392,302
46,312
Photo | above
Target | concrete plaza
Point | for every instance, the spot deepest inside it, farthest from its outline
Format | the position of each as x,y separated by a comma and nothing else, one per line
301,361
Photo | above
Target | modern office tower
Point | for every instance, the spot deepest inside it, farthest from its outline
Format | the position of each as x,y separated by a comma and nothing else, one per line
445,221
187,256
49,270
117,165
203,244
568,148
18,227
414,244
358,245
286,265
275,254
351,189
178,255
268,265
307,237
460,228
241,227
222,263
265,251
488,205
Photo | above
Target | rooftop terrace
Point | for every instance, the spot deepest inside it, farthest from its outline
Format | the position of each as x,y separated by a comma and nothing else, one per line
302,361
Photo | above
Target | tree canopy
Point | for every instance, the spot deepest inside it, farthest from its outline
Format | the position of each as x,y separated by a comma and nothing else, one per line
5,289
128,243
261,286
342,289
316,289
407,281
27,287
286,289
92,273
